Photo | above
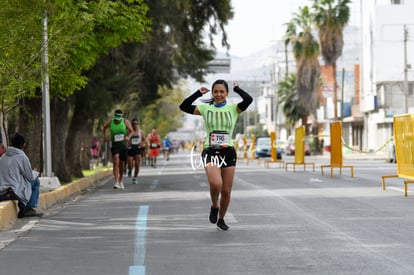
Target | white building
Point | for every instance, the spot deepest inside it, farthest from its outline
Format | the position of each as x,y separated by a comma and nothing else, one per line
387,27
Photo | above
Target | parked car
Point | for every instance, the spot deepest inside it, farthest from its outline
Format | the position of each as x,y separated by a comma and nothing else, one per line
264,149
290,147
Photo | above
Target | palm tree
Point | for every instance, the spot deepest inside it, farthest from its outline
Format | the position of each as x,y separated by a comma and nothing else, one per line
292,106
330,17
305,49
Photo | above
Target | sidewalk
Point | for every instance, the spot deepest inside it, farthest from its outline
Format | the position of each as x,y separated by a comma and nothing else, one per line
355,155
9,209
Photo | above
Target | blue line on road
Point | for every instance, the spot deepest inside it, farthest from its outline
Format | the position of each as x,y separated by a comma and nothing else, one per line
140,242
154,185
137,270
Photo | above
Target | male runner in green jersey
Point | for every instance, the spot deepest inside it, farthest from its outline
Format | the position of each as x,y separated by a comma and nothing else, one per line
120,132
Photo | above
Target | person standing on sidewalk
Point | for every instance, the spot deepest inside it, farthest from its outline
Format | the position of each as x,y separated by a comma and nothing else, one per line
218,153
120,132
136,144
16,173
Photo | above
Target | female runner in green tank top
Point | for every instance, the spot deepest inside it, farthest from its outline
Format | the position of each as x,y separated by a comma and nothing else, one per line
219,155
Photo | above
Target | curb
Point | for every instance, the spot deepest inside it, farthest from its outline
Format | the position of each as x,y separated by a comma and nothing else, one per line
9,209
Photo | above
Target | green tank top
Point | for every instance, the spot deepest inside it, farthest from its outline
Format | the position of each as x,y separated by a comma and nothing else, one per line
118,132
219,123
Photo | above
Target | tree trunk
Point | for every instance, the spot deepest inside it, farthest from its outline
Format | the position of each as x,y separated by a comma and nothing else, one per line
86,137
59,128
305,123
317,150
31,127
78,143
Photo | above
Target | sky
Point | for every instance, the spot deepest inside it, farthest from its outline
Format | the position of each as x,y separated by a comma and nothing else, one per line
258,24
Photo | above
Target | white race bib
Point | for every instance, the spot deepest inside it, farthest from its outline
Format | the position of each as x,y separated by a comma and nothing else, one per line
119,137
219,139
135,141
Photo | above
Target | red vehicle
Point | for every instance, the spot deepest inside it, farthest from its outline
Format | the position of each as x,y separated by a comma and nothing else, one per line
290,148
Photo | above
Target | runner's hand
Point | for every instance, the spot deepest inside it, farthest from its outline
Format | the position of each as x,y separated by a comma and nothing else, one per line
204,90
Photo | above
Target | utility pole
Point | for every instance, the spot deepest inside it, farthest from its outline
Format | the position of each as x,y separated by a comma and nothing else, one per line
342,94
275,95
47,156
405,92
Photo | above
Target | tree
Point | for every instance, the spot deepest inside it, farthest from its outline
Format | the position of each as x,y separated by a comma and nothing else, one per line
291,104
179,31
163,113
306,51
102,26
176,47
134,75
110,82
102,54
79,32
331,20
19,58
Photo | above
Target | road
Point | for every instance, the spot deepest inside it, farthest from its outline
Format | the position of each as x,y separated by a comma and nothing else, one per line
281,222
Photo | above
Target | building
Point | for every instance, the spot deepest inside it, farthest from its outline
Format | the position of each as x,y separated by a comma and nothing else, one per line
387,31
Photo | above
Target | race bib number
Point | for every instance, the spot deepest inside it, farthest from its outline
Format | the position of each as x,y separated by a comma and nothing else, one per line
119,137
219,139
135,141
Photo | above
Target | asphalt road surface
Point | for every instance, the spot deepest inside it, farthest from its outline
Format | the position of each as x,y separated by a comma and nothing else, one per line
281,222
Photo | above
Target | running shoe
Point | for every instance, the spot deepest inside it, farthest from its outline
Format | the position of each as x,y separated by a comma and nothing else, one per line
222,225
213,214
121,184
134,181
117,185
129,173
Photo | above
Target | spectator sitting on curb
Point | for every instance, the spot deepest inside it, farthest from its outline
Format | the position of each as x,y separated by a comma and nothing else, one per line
16,175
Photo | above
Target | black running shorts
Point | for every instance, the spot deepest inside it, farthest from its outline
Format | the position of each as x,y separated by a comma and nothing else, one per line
121,150
132,152
225,157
